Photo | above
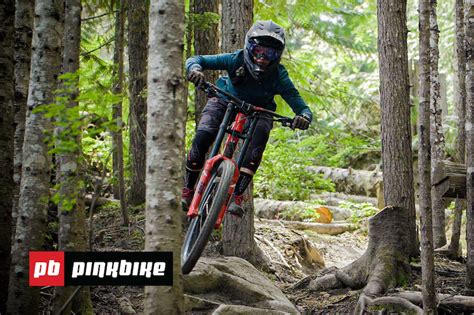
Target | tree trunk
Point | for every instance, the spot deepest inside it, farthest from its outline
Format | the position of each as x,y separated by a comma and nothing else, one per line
137,59
71,209
206,42
424,162
34,189
7,14
392,234
396,133
460,100
436,129
117,139
470,141
165,148
23,33
237,236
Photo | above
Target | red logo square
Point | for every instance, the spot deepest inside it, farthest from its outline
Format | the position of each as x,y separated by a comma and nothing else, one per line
46,268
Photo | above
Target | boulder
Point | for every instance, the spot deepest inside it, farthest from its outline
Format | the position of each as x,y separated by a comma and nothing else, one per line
232,283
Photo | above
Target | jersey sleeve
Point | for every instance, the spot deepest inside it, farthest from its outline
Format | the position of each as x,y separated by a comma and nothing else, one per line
290,94
210,62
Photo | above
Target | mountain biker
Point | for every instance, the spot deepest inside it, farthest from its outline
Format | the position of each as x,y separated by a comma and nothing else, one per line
255,75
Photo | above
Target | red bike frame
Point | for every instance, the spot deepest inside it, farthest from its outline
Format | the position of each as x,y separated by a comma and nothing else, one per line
232,140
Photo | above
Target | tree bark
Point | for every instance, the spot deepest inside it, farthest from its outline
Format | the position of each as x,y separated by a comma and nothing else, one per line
424,162
385,264
71,209
237,236
34,189
165,148
206,42
23,33
460,104
392,234
436,129
394,98
7,14
117,139
137,59
470,141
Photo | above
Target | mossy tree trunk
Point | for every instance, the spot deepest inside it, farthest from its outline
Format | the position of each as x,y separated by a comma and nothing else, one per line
24,10
460,104
206,42
71,209
436,128
46,63
470,141
424,161
166,118
117,138
7,14
137,60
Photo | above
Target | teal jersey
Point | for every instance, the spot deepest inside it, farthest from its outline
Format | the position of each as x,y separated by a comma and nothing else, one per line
244,86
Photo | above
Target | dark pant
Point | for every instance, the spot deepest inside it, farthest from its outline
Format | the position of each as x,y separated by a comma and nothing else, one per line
207,130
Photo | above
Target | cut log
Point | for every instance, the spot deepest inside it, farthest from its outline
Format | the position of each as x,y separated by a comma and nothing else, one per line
449,179
321,228
273,209
350,181
334,198
454,303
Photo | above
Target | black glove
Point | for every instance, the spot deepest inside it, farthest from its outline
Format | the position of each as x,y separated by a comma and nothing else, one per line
300,122
196,77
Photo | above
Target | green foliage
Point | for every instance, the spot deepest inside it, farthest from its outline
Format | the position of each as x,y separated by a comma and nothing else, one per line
359,211
305,213
282,174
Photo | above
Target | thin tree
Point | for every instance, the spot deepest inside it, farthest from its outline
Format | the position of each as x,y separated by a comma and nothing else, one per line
238,233
137,59
470,141
436,129
71,208
34,189
460,104
206,42
7,14
424,162
117,138
24,10
166,116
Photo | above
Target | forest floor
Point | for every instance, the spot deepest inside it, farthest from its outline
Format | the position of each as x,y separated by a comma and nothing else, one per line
295,257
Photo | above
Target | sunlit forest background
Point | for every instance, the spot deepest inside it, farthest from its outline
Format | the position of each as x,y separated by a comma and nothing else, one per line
331,56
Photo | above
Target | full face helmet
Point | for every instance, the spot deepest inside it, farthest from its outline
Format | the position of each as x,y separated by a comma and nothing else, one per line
264,40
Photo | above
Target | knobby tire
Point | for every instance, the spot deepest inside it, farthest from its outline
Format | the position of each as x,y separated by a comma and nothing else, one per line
201,226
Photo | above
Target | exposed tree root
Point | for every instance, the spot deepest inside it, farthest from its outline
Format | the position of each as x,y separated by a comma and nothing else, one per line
454,303
386,302
385,264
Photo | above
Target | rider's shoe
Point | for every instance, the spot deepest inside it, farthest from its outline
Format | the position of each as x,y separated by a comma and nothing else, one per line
235,208
186,198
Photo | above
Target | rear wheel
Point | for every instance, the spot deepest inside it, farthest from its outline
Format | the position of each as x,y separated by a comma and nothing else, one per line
202,225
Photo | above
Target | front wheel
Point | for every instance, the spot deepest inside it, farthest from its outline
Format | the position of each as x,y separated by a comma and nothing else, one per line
202,225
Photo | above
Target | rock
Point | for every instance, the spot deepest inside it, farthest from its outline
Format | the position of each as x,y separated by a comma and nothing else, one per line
232,281
126,306
239,309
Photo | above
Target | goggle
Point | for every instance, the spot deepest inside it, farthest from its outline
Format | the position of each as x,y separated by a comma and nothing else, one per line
259,51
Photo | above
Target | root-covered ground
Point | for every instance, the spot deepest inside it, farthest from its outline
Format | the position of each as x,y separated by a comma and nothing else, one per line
296,257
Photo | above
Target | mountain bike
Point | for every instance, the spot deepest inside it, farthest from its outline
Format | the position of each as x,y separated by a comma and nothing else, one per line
221,171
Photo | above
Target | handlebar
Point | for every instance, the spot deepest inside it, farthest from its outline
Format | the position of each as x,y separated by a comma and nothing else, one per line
245,107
